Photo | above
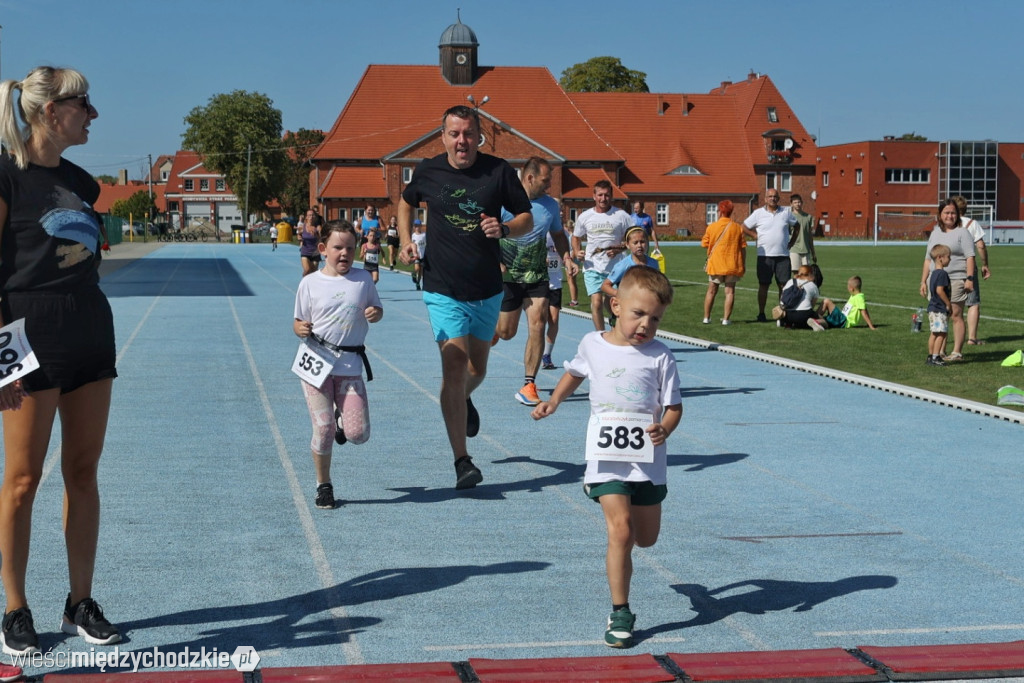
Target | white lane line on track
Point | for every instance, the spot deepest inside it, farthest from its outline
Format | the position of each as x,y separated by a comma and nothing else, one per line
539,644
351,650
936,629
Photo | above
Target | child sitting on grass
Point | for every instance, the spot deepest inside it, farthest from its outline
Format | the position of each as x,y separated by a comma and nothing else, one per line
854,309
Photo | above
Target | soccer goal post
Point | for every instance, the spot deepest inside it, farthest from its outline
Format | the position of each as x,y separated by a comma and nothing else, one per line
913,222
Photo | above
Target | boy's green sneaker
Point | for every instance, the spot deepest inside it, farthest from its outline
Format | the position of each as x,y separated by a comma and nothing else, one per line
620,629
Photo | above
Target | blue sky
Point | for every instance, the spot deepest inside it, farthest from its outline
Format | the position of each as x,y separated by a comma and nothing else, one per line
851,70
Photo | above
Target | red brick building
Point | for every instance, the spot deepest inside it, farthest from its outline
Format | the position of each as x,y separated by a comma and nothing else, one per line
854,178
678,153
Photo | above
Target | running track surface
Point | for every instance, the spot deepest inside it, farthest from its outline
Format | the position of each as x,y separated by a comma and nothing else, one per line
803,513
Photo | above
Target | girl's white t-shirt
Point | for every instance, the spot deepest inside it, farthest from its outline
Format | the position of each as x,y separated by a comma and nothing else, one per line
627,379
336,305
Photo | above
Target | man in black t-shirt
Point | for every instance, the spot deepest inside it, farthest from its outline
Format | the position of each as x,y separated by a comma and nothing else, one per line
464,191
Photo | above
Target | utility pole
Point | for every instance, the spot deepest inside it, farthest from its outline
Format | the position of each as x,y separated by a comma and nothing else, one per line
248,168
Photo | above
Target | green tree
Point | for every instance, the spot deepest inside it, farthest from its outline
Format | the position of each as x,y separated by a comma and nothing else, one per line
105,178
913,137
603,74
135,206
239,136
294,198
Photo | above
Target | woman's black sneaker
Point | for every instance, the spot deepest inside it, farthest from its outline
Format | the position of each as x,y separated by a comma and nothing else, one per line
19,633
86,619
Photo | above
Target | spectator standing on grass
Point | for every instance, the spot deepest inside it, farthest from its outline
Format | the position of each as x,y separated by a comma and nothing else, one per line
939,305
465,191
50,240
769,225
603,227
726,261
949,232
801,239
973,302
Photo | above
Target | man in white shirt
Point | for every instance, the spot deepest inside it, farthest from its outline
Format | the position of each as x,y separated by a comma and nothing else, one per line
769,225
603,227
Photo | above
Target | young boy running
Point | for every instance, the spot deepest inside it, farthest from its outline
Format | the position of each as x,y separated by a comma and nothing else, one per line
634,406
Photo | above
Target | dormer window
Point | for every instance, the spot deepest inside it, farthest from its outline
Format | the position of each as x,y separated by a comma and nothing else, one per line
773,116
684,170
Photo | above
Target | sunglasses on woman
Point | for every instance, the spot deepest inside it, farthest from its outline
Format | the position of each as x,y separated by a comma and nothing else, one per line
83,100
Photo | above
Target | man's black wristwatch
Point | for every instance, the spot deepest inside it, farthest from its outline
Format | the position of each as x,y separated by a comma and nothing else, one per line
505,230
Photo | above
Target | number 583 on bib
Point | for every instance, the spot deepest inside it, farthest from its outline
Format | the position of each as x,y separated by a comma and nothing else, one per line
620,437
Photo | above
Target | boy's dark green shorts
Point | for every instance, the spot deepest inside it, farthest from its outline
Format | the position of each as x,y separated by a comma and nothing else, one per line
639,492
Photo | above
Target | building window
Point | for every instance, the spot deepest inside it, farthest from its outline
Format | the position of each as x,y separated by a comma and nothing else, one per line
204,185
824,178
710,213
164,175
172,206
770,181
407,174
219,184
786,184
661,214
857,214
421,214
773,116
915,176
188,185
342,214
357,215
860,176
572,215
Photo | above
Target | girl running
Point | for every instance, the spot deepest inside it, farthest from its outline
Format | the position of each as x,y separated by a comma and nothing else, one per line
333,307
370,254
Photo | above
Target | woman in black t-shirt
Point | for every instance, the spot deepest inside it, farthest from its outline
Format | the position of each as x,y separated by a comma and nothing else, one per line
49,255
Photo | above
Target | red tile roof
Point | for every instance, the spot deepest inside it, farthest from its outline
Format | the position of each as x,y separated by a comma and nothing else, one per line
654,145
363,182
754,96
578,183
393,106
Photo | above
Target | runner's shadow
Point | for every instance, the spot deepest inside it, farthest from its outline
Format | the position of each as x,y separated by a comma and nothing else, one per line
760,596
693,392
304,620
564,473
696,463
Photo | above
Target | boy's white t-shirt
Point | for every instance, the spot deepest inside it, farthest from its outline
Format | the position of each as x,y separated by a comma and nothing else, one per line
627,379
336,305
420,240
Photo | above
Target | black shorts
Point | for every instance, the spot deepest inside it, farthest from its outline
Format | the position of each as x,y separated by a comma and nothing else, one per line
515,292
71,333
313,258
392,241
768,266
555,297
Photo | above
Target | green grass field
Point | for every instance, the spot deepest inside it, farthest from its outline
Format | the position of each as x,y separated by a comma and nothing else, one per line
891,276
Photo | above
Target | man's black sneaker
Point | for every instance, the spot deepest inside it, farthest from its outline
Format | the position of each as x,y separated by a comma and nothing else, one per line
467,475
472,419
19,633
86,619
339,433
325,496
